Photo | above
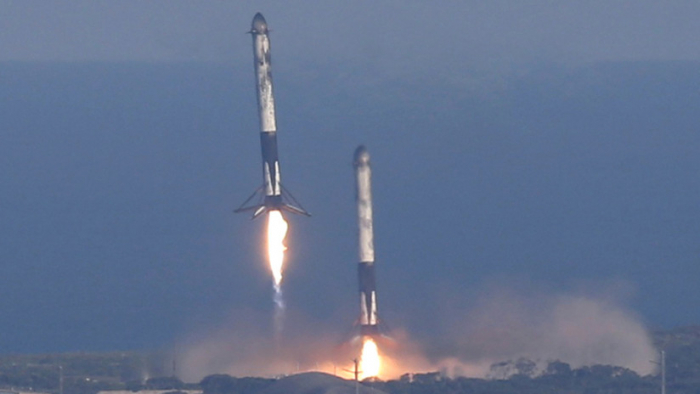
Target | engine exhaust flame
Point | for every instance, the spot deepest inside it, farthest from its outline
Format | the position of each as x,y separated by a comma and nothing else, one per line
370,362
276,231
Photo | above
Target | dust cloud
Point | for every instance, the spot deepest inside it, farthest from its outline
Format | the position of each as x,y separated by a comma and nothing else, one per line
500,325
580,329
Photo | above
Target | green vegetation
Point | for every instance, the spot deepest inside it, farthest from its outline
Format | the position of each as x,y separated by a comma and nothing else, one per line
81,373
88,373
599,379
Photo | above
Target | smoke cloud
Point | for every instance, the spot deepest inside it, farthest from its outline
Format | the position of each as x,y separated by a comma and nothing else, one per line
579,329
248,344
500,325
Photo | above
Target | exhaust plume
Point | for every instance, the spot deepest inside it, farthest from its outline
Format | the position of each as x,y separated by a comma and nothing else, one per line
370,362
276,232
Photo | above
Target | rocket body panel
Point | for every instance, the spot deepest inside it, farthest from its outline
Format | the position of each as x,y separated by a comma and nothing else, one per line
368,294
272,194
364,310
363,175
263,75
366,277
369,321
271,164
266,106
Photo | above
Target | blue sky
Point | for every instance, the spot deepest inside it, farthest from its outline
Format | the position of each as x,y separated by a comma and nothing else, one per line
413,33
543,146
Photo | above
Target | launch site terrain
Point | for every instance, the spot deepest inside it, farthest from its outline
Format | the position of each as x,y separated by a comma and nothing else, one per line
90,373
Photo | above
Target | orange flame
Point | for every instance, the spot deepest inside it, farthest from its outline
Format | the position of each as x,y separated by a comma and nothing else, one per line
370,362
276,232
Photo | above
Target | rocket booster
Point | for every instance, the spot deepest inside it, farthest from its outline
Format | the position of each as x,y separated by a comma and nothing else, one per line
263,74
272,195
369,324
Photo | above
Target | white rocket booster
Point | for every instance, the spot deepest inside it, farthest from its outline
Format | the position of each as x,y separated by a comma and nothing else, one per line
368,291
263,74
273,196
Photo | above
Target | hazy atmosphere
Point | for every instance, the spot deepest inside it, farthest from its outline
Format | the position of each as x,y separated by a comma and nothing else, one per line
535,178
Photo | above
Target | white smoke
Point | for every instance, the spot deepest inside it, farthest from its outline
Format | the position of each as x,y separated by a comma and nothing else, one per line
241,348
580,330
278,299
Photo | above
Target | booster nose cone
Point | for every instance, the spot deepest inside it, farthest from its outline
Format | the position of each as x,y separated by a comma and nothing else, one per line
361,156
259,25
